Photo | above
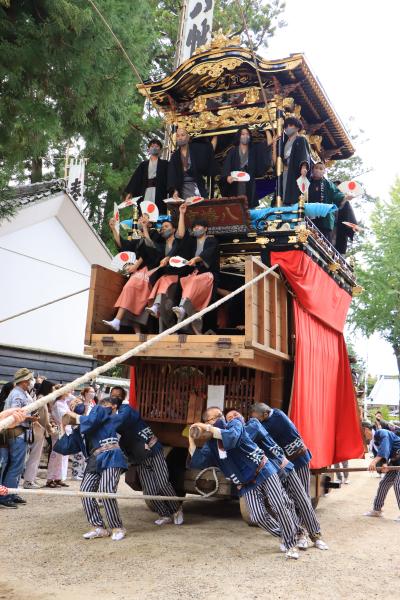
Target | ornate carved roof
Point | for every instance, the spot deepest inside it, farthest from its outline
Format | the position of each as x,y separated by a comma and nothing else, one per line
217,90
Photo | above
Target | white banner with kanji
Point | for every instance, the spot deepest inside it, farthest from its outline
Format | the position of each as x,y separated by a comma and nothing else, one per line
196,27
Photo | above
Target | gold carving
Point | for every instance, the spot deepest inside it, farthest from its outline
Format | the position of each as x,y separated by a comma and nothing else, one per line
357,290
219,40
252,95
215,69
200,104
225,117
302,233
288,104
316,141
333,267
292,239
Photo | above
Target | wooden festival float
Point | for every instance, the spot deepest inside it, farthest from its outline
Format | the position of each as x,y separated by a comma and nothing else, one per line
251,346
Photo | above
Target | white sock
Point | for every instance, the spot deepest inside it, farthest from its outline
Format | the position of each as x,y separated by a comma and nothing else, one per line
116,322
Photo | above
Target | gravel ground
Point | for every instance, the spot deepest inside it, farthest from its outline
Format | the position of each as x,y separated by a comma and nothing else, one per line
213,555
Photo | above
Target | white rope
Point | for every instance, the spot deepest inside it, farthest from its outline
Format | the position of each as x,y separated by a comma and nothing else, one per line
215,490
79,494
90,375
29,310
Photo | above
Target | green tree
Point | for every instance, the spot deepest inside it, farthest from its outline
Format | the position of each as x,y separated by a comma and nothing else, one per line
378,272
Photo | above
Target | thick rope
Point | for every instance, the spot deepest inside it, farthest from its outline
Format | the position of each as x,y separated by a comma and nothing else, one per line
215,490
79,494
90,375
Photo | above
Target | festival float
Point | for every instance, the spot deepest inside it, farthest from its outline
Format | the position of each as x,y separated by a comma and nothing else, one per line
281,341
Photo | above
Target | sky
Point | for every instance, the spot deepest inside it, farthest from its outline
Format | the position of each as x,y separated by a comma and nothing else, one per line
353,47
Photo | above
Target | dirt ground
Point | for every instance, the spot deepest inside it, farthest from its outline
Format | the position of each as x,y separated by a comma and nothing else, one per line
213,555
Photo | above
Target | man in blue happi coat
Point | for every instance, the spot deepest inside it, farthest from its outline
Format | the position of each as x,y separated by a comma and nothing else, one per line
244,463
386,449
144,450
103,470
289,479
285,434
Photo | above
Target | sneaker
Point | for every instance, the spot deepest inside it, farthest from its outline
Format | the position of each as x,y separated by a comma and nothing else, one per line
154,311
163,521
302,543
115,326
98,532
31,485
292,553
178,517
179,312
18,500
373,513
8,503
321,545
118,534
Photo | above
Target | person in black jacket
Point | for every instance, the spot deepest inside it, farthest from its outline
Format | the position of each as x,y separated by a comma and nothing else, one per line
246,156
203,252
296,159
150,178
135,294
188,166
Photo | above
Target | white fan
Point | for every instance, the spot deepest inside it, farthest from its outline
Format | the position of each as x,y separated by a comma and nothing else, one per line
150,209
122,259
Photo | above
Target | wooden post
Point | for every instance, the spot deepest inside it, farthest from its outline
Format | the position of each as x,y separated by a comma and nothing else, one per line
279,157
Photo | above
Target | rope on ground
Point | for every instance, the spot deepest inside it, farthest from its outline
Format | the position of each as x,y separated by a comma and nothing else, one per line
106,495
90,375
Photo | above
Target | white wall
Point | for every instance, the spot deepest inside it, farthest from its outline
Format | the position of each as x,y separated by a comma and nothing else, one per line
26,283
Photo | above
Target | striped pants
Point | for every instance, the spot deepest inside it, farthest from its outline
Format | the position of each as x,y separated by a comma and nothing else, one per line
303,473
390,479
302,503
154,479
271,490
107,481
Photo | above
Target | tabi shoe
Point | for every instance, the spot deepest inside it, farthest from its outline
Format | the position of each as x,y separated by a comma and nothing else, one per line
163,521
282,547
292,553
179,312
398,519
178,517
112,324
373,513
346,482
8,503
154,311
18,500
97,532
321,545
302,543
118,534
31,485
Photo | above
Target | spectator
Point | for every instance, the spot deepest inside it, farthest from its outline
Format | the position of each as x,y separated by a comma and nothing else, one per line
5,391
342,476
57,462
82,406
41,429
17,437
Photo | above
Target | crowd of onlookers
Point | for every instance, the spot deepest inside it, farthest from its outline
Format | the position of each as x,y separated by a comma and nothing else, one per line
28,446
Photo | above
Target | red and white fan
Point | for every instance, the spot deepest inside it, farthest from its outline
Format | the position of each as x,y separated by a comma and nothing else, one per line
122,259
150,209
130,202
177,261
194,200
351,187
303,184
240,176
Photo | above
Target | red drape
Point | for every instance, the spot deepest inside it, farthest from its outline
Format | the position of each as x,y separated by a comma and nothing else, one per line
132,388
323,406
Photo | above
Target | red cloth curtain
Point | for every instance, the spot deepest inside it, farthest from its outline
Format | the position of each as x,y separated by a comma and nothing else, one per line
132,388
323,406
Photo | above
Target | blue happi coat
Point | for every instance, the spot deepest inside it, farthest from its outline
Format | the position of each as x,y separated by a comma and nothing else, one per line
387,445
99,427
236,455
285,434
261,437
130,423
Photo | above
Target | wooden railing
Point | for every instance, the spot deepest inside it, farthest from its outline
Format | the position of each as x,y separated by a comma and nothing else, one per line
266,326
